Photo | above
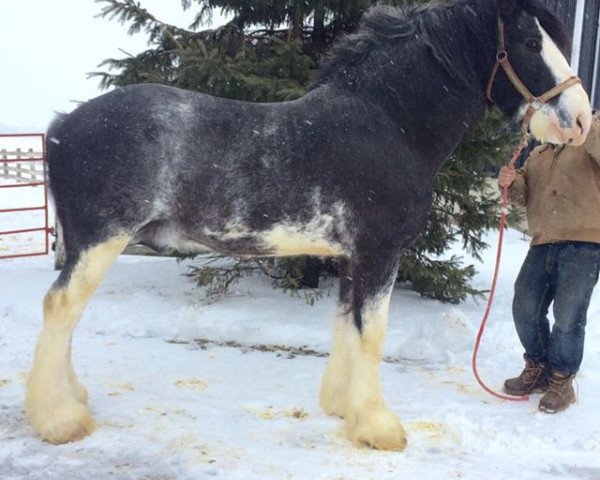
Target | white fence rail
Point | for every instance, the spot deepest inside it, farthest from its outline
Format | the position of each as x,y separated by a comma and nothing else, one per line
30,170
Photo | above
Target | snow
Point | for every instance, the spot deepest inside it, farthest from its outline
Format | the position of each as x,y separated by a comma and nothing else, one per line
168,407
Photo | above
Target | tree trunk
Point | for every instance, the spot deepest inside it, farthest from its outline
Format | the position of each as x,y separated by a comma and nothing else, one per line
297,23
319,34
311,273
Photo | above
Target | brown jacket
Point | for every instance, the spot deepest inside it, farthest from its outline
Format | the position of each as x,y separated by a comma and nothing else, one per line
560,188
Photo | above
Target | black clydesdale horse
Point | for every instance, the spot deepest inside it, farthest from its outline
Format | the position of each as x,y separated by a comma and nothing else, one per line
345,171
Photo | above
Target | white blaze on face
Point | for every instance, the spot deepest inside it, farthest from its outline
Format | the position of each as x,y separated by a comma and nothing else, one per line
553,57
570,119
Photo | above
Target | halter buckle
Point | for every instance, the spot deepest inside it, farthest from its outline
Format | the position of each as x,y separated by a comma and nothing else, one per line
536,104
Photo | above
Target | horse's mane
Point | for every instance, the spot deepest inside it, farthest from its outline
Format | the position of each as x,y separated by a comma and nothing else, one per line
384,28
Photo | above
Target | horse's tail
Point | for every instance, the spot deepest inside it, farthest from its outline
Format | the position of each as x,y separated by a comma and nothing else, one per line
54,126
52,140
53,136
57,122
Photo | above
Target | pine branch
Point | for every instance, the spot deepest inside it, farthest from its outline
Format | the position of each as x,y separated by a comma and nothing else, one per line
139,19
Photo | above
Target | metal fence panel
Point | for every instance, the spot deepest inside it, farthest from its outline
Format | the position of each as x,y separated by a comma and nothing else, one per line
34,175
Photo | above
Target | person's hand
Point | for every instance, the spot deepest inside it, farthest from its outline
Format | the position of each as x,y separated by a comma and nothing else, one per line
506,176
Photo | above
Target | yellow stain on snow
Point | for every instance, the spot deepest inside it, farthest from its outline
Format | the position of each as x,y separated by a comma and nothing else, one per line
435,431
115,424
120,389
270,413
454,370
431,428
192,383
468,389
191,443
126,387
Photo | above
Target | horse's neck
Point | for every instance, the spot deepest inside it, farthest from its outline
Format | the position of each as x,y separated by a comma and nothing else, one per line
433,109
435,124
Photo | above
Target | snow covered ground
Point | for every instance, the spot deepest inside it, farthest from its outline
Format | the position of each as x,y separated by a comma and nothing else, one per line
169,407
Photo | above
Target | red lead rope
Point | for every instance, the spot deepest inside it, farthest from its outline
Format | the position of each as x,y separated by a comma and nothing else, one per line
511,164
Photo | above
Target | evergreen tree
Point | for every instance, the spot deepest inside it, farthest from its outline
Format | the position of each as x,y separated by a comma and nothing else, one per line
270,51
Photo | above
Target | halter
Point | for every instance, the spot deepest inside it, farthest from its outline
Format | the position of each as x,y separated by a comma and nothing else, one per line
534,103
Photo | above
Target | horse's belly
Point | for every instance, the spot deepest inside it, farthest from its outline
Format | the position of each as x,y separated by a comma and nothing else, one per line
315,237
163,236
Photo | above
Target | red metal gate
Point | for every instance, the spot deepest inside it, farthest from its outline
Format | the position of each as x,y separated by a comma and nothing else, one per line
7,159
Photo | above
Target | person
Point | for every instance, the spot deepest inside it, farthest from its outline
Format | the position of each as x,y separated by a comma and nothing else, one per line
559,186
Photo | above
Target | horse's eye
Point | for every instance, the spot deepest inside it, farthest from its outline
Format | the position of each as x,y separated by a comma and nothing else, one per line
534,45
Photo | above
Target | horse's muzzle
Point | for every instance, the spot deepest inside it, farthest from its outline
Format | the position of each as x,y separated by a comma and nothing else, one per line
566,123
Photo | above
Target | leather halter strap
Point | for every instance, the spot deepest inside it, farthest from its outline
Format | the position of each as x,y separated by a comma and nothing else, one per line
533,103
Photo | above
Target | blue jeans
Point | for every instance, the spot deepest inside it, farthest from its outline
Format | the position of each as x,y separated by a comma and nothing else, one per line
565,273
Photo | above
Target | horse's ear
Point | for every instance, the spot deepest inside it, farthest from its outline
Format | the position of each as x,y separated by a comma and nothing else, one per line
509,8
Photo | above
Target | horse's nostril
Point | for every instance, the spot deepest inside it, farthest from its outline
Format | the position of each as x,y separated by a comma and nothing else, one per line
579,124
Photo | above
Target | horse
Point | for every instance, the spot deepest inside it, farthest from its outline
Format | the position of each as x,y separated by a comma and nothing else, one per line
345,171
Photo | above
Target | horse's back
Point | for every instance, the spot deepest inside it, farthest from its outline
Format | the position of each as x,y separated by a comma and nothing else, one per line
158,160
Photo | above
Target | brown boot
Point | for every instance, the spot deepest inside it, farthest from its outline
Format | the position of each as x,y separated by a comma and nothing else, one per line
560,394
533,379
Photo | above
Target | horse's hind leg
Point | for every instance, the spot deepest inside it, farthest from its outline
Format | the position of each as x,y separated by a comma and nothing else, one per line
351,386
55,401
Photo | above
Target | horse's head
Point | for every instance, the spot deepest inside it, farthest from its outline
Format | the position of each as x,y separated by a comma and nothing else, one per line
537,47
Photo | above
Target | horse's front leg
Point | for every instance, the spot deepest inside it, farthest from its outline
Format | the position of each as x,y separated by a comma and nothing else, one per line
334,387
356,355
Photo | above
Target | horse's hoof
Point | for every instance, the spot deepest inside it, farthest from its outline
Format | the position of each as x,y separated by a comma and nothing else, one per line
377,428
69,422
